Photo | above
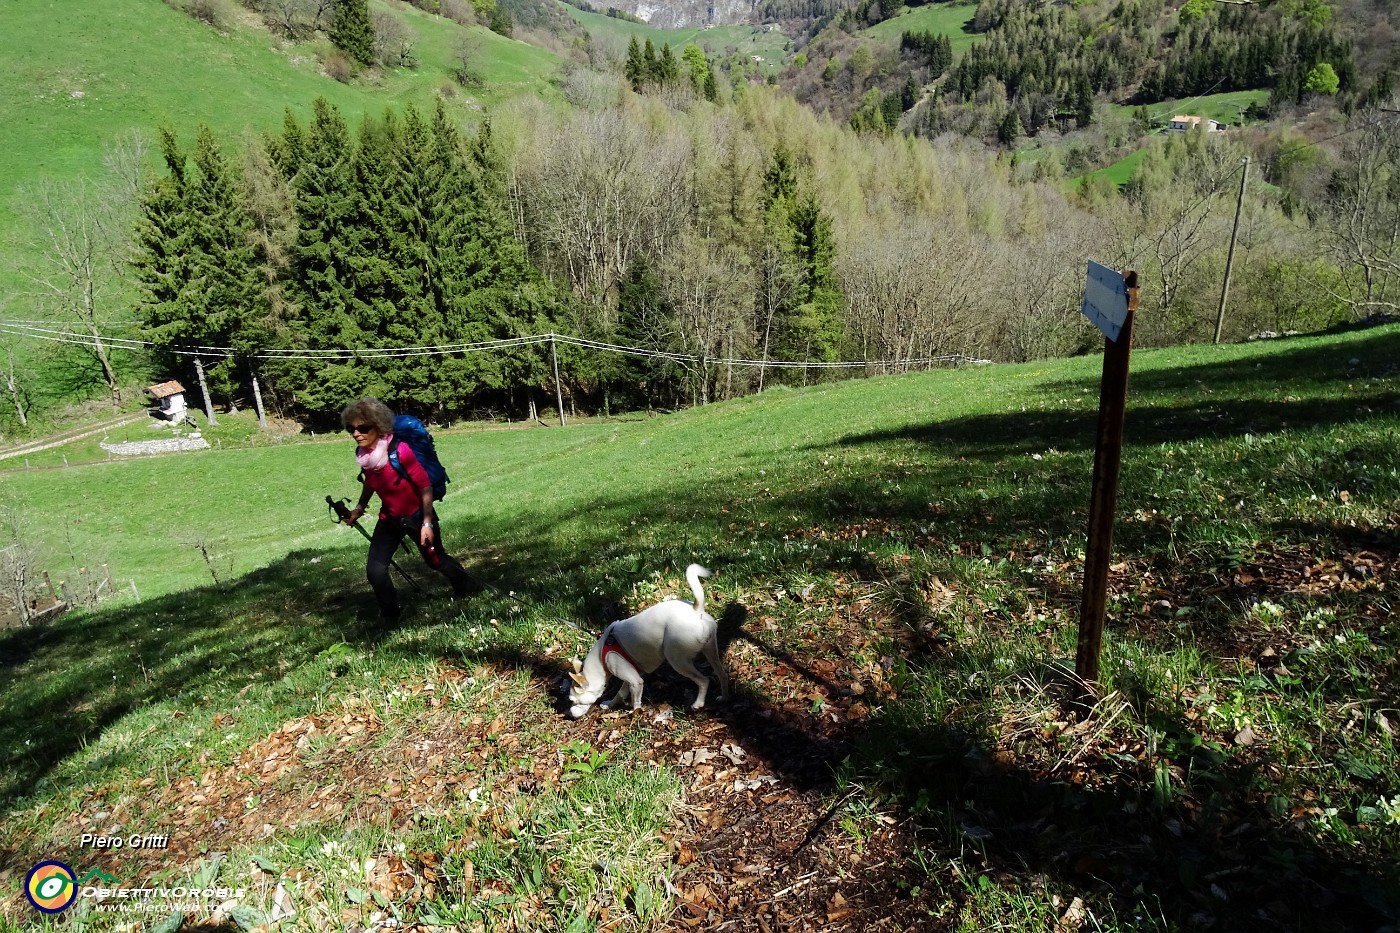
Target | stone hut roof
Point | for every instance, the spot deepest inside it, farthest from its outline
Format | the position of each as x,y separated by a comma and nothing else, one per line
165,389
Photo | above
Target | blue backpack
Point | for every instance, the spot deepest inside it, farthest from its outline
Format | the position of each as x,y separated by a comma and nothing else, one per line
411,431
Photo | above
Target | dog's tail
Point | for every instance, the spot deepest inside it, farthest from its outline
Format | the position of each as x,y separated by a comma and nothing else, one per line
693,573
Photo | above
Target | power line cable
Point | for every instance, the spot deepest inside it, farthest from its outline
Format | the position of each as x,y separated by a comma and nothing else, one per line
80,338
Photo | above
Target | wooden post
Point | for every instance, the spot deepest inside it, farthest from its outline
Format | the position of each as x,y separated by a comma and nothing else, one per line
1230,256
1103,498
257,403
558,392
204,388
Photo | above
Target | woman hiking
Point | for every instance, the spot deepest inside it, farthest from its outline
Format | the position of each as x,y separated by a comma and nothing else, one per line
406,505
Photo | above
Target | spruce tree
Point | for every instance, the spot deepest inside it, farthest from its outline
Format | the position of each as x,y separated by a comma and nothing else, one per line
322,272
1010,129
161,258
225,288
667,70
462,271
500,22
351,30
651,65
386,294
635,68
1083,101
780,180
197,265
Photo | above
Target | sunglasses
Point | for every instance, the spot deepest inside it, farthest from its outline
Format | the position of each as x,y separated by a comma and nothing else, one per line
360,428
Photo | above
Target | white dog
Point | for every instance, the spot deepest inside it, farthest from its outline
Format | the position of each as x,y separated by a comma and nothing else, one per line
673,631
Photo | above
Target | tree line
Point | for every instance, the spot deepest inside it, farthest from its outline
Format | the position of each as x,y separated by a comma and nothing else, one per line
1054,60
749,229
399,234
1045,65
323,238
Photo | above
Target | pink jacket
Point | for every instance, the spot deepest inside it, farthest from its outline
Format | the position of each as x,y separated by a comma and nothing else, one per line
398,497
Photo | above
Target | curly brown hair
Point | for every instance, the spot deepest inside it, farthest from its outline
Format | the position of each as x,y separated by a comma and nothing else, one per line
368,411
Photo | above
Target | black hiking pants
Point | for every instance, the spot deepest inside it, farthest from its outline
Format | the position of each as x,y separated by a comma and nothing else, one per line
388,532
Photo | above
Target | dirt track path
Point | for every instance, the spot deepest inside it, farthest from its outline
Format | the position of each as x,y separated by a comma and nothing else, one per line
67,437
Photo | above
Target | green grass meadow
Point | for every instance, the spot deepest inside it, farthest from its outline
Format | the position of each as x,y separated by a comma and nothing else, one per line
614,34
77,77
1227,108
950,19
1120,172
921,534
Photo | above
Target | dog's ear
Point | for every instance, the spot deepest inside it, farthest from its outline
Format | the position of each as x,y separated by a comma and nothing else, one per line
578,666
578,678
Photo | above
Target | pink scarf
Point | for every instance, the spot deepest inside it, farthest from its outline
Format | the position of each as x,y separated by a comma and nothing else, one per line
377,457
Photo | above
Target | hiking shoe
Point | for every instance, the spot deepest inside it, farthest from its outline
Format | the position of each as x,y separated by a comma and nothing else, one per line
469,587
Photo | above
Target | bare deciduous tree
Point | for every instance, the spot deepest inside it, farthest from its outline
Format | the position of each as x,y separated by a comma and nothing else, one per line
710,286
1362,220
468,54
17,565
1177,229
79,261
81,243
598,191
914,289
19,397
294,19
1040,274
393,42
459,11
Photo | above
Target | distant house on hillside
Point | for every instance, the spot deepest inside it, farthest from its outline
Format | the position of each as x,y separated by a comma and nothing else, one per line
171,398
1183,122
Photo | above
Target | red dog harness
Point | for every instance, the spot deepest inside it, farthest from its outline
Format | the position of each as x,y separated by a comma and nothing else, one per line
610,644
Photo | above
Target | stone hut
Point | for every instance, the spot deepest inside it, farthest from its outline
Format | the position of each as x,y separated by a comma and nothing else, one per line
170,396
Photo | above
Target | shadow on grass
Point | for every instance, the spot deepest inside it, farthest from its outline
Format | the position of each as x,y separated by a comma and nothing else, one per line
1210,400
1225,861
67,682
1226,856
995,437
993,817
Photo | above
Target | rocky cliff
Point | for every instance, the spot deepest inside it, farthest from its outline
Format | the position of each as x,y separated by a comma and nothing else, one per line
680,14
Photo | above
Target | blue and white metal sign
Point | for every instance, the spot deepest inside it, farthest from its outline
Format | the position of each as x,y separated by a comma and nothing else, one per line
1105,299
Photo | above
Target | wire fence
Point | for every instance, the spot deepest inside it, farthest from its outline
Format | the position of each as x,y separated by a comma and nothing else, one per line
48,331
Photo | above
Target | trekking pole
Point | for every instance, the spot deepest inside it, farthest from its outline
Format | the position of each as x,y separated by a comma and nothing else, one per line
340,515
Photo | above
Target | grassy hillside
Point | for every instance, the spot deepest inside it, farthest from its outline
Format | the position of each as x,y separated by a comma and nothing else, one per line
897,577
1227,108
1119,172
75,77
950,19
746,41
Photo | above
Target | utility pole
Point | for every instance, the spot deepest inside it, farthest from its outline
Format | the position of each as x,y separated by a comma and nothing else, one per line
558,392
257,402
204,388
1230,257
